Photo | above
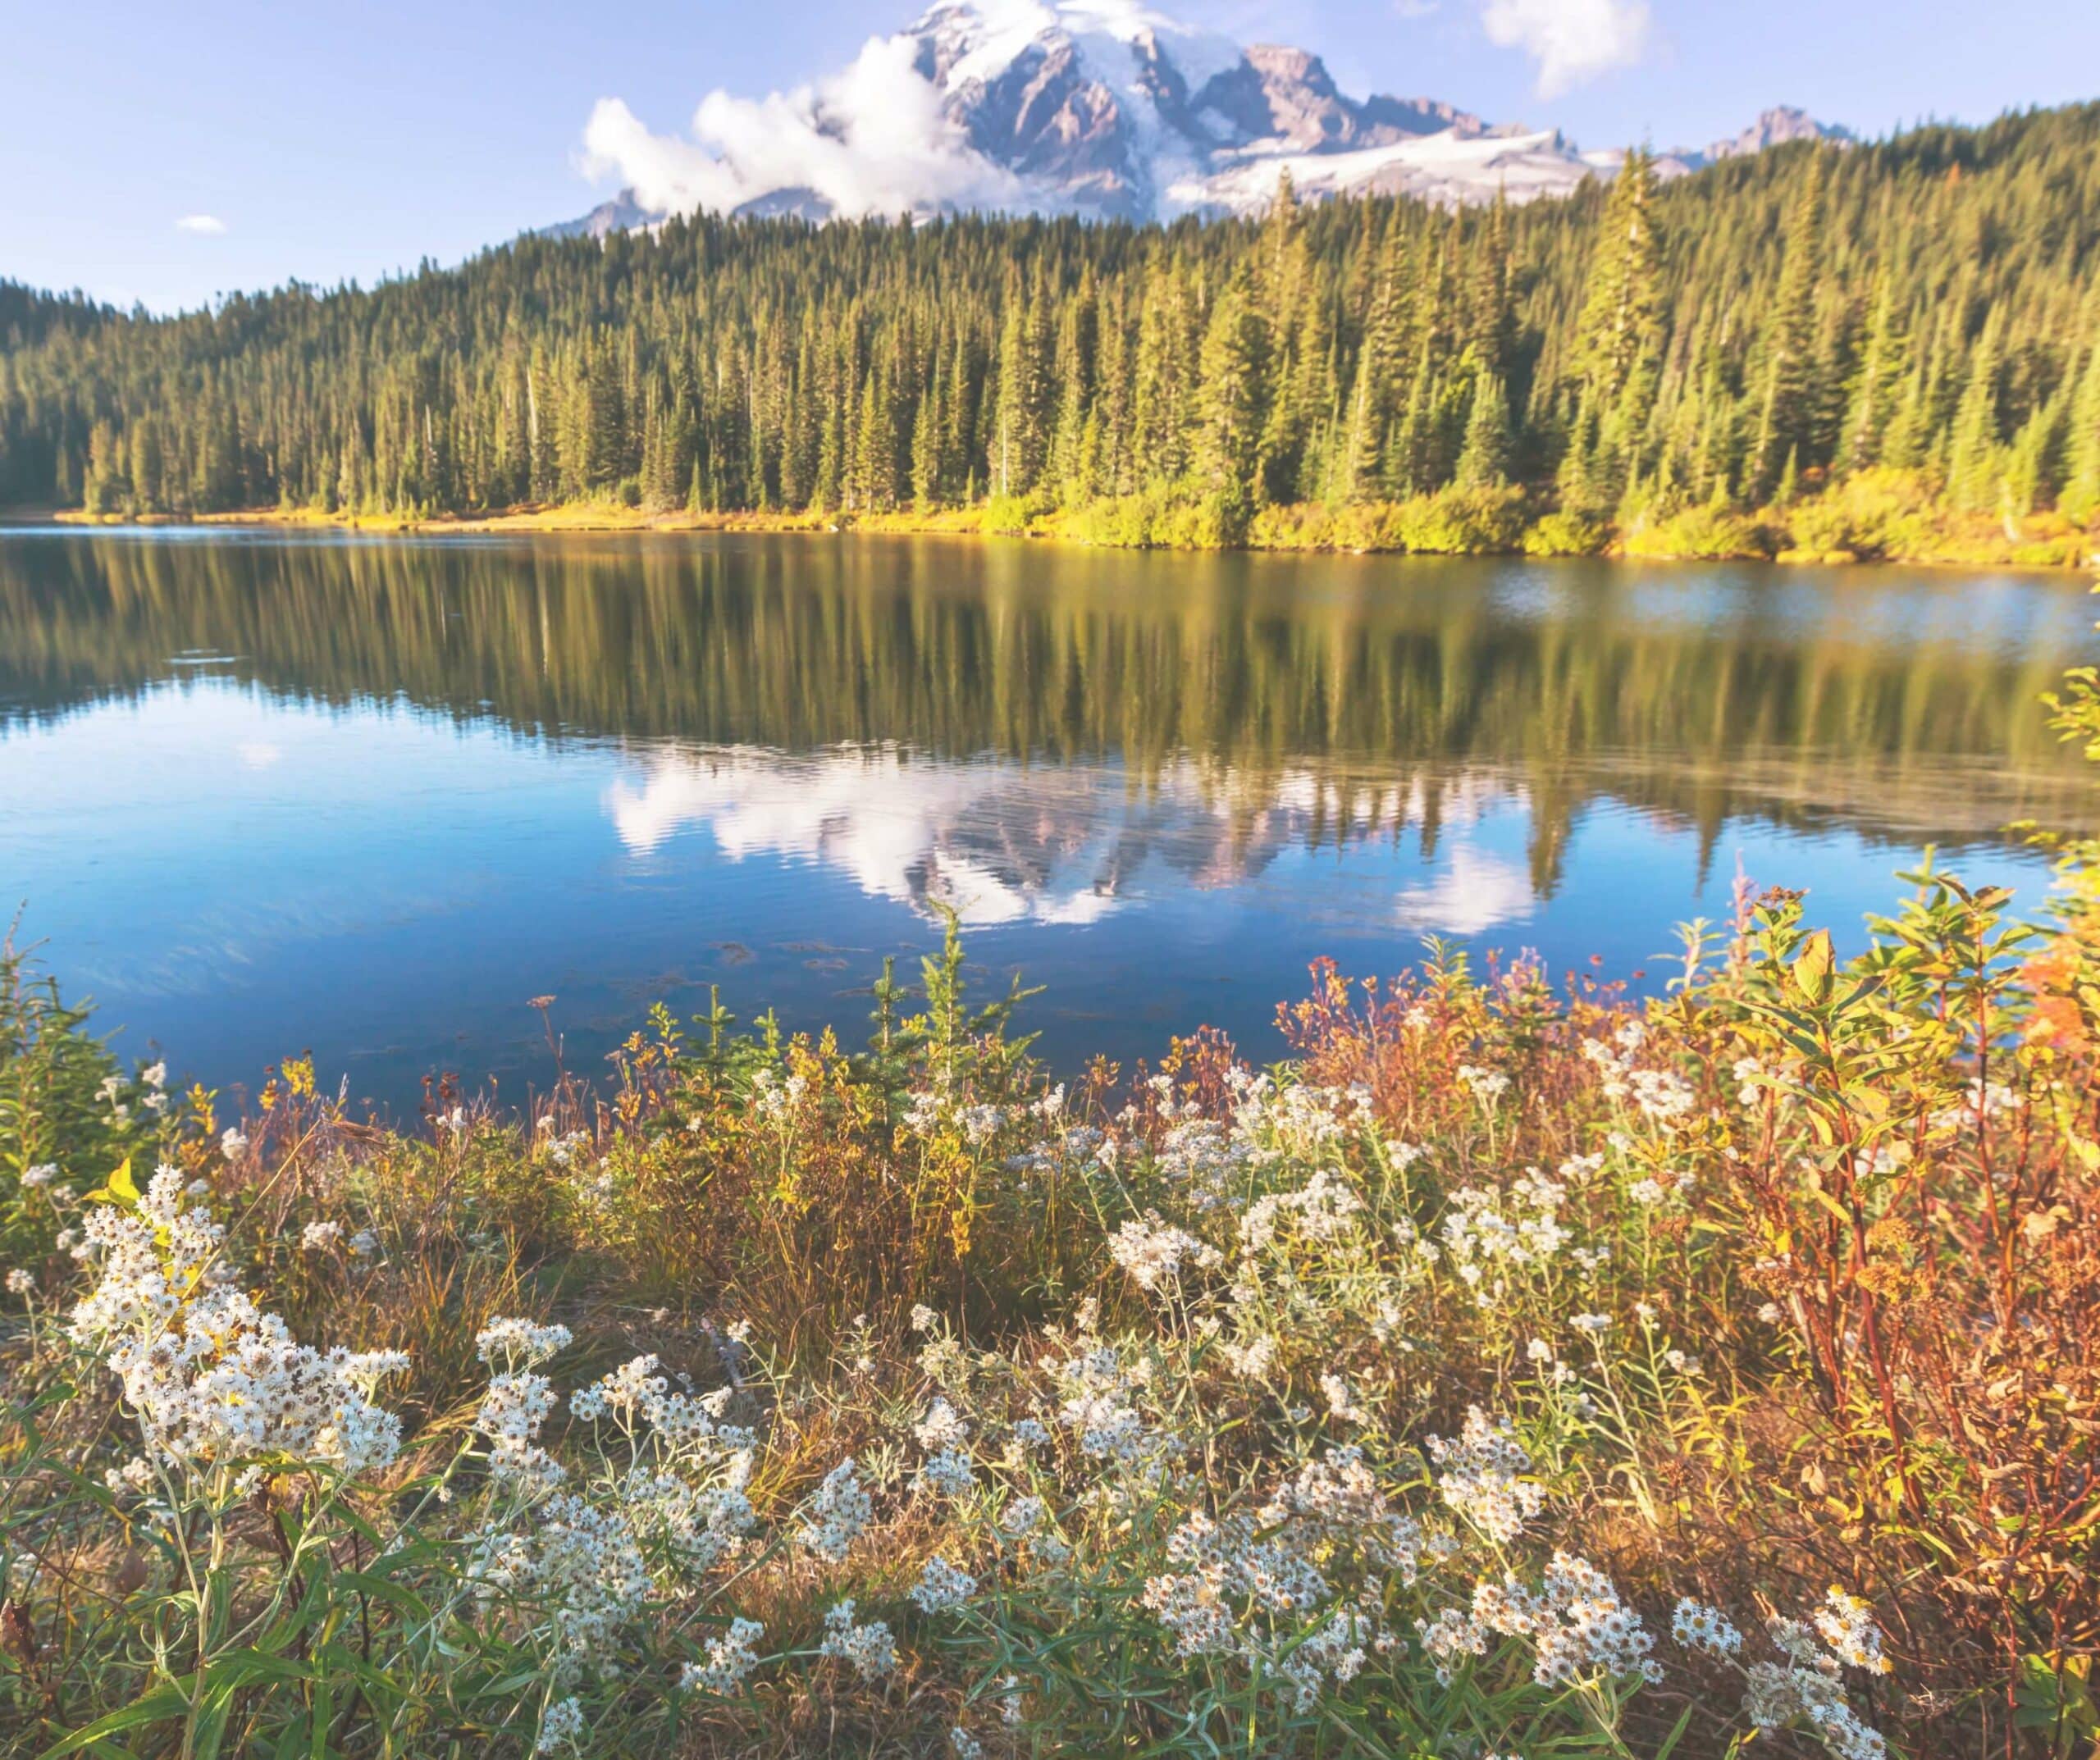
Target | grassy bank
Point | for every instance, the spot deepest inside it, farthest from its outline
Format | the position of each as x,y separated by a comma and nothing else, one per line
1519,1369
1880,516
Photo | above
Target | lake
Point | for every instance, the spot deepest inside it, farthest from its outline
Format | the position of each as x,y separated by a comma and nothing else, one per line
263,792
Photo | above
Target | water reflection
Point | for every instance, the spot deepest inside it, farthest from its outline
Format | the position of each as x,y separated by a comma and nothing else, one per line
237,769
996,842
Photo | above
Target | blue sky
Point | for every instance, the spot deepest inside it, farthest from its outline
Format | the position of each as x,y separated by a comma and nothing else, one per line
329,143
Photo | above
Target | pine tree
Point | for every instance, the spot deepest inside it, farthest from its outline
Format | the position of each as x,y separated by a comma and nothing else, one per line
107,486
1793,397
1490,319
1020,428
2033,469
1876,386
1619,340
1234,377
926,448
1484,459
2081,493
145,473
1973,463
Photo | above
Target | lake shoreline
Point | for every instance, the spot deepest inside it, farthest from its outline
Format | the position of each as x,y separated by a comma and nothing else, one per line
1962,548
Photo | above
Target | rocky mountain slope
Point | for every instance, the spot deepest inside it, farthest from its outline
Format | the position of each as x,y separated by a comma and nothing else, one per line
1110,109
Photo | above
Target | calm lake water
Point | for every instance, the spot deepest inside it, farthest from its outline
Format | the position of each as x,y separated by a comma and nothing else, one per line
264,793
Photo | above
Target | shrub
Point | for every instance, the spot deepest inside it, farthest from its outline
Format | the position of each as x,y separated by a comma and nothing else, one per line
1463,521
1010,515
1822,527
1563,533
1703,534
1304,526
1368,527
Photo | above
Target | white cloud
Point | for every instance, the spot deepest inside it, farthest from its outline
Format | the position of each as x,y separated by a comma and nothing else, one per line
1572,40
1473,891
869,140
970,835
205,225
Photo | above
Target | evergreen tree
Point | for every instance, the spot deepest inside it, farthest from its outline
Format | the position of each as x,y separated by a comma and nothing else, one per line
1973,463
2081,492
1484,459
1235,395
1793,397
1619,340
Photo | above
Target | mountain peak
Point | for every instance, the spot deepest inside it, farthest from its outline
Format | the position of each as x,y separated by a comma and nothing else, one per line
1109,109
1774,128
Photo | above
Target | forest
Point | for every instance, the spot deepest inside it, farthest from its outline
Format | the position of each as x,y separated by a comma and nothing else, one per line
1920,317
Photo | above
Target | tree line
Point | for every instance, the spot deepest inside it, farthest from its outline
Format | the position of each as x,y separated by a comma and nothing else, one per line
1930,303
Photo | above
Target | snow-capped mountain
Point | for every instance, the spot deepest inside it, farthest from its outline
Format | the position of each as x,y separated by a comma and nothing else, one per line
1106,108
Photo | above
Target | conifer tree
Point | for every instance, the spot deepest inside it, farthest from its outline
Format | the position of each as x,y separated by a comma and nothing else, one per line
1234,377
1484,459
2081,491
1793,398
1973,463
1618,341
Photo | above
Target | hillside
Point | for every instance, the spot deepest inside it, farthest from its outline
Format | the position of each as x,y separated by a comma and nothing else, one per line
1648,353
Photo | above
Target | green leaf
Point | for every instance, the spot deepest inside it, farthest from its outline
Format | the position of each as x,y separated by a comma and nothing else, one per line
164,1702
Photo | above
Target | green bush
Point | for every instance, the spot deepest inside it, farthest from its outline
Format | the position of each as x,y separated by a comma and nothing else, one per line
1821,527
1009,515
1463,521
1701,534
1564,532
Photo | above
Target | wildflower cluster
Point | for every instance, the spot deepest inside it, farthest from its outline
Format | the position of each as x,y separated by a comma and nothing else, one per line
212,1379
837,1513
867,1645
1483,1473
1802,1684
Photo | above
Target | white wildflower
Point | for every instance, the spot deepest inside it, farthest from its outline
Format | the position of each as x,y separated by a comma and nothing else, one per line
1021,1516
868,1646
730,1659
518,1343
941,1587
1483,1476
1152,1251
837,1513
1699,1627
1341,1402
1846,1624
561,1725
943,1427
950,1473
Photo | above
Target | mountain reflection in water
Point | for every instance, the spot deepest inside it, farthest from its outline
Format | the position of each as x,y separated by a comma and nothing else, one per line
262,790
